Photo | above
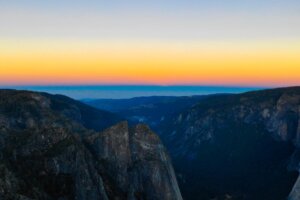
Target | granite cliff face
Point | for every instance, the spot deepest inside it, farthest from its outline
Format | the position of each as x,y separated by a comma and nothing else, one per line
277,111
242,146
135,162
50,150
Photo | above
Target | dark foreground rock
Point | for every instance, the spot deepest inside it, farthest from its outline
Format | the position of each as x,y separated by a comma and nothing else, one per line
47,152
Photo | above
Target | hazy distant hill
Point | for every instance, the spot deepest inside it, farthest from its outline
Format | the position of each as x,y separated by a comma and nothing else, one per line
151,110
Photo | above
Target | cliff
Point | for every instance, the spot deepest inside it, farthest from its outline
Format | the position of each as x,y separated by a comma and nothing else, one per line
50,150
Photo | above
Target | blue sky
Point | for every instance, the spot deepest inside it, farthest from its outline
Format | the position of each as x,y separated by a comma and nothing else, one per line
138,4
164,19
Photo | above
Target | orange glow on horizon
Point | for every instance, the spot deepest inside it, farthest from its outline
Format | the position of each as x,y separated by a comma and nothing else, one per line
265,63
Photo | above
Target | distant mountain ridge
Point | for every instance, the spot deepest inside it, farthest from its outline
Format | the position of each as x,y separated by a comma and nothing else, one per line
50,148
151,110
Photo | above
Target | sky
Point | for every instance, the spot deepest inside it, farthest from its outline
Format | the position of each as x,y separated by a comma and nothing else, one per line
157,42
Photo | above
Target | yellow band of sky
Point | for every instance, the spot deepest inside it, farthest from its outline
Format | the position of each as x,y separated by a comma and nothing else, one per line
67,61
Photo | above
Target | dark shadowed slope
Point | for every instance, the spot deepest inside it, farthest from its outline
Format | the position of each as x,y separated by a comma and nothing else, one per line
47,152
238,146
151,110
90,117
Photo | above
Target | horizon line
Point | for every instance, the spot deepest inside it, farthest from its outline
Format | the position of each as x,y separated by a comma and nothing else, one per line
143,85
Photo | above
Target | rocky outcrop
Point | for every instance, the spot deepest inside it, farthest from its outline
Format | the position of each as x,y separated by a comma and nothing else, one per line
136,162
295,193
47,152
